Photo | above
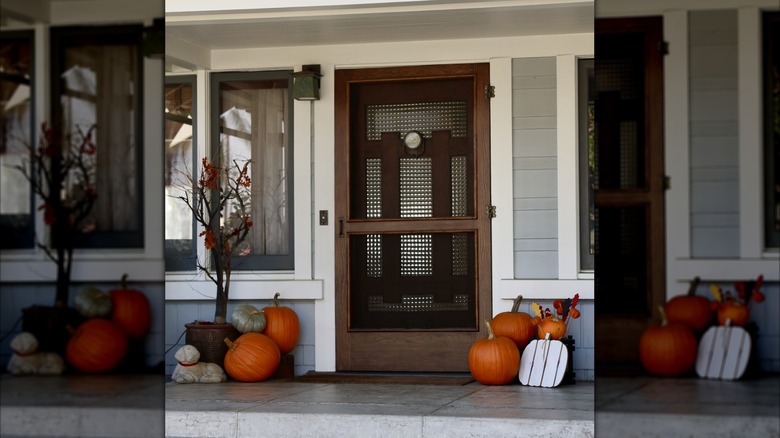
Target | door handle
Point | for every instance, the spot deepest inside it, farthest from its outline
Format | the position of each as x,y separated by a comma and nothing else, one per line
341,227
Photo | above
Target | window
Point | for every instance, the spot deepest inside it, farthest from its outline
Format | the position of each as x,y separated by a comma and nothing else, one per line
587,142
251,116
16,137
96,84
180,159
771,29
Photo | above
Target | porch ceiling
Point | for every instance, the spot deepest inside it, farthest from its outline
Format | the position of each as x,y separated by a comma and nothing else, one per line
377,22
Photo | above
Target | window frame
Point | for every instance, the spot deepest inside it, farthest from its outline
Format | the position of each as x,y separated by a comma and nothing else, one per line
261,262
175,261
585,201
22,237
770,28
63,37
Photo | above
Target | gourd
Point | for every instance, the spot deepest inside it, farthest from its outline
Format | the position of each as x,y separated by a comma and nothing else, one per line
131,310
252,357
693,310
734,310
92,302
517,326
554,326
96,346
494,360
248,318
282,326
668,349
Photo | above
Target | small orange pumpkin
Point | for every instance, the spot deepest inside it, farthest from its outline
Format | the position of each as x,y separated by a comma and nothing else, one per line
96,346
494,360
131,310
282,325
552,325
517,326
252,357
668,349
738,313
693,310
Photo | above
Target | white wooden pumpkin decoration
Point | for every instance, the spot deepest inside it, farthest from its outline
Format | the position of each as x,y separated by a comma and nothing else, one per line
543,363
92,302
724,352
248,318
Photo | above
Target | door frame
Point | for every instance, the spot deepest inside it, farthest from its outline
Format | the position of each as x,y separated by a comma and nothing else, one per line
343,225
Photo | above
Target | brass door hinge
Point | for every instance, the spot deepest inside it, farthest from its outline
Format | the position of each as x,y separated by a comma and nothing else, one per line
491,211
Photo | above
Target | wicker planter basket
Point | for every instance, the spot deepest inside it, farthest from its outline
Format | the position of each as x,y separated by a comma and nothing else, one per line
209,339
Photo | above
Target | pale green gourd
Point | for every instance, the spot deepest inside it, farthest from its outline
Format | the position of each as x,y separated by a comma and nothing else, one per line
248,318
92,302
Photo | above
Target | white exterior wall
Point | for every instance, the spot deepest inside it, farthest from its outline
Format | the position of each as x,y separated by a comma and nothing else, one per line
714,150
311,287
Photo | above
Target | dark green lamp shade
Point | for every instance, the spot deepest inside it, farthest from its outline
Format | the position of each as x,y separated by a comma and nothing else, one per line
306,86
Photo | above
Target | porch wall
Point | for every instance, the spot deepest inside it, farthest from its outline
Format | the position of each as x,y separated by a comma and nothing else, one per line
16,296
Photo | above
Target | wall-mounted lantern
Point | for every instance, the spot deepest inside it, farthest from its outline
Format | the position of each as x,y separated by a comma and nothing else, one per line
307,83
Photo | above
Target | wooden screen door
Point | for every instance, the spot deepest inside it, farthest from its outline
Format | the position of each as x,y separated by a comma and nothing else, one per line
413,234
629,186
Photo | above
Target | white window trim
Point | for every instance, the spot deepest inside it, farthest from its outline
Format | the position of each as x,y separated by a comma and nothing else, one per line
108,264
571,279
753,260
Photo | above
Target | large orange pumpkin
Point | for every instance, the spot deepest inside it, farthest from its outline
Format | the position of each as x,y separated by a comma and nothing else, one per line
668,349
517,326
693,310
96,346
131,310
282,325
494,360
252,357
552,325
737,312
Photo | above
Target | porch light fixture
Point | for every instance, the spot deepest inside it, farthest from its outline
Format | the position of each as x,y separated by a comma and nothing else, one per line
307,83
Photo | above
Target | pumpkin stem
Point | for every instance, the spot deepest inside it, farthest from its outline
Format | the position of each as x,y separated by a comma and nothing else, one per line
490,329
664,321
692,287
230,344
276,299
123,281
516,304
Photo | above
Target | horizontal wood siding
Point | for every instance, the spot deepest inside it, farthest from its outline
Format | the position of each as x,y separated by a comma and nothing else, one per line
714,134
534,164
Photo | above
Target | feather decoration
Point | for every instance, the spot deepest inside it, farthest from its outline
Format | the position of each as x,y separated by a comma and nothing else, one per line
537,309
716,293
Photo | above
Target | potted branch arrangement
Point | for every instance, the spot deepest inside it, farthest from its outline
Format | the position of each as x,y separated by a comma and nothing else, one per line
61,172
219,201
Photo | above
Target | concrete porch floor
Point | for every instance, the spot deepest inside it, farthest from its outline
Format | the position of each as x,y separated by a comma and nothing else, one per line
147,406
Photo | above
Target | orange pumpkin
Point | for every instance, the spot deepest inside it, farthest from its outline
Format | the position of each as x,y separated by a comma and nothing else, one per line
282,325
737,312
517,326
668,349
693,310
131,310
552,325
252,357
96,346
494,360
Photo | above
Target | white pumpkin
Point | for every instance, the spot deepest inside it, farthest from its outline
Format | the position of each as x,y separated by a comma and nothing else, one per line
248,318
92,302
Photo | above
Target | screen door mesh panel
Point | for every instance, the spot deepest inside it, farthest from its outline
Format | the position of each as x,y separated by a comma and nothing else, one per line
622,247
373,187
459,180
416,191
620,113
412,281
422,117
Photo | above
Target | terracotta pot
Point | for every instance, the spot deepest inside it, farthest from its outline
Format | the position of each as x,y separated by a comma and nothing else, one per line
209,339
